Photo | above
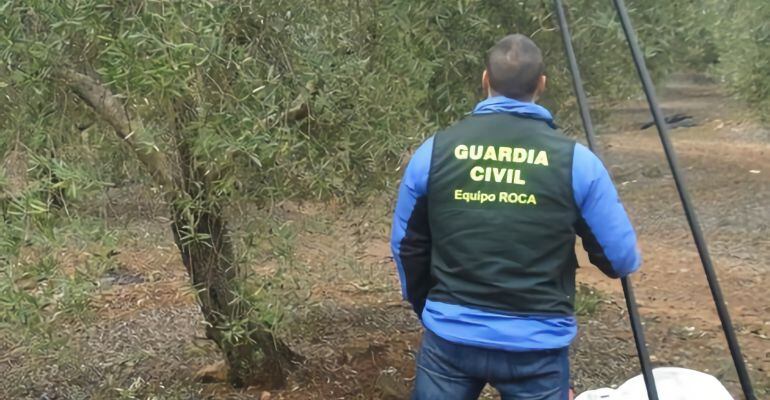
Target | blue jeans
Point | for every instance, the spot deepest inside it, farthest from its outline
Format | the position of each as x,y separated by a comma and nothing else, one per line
451,371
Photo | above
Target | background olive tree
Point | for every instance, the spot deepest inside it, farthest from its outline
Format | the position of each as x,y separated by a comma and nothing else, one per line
217,102
741,33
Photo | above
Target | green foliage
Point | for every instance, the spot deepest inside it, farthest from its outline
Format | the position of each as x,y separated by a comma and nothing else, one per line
378,76
587,300
36,293
742,34
270,299
36,297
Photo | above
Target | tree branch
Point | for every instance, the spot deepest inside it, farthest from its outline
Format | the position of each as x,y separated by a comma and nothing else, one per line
109,107
300,111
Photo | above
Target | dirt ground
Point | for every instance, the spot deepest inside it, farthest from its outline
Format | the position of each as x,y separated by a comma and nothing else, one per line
725,159
360,340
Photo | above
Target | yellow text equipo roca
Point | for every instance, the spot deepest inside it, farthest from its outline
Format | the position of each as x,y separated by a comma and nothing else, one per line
517,155
502,197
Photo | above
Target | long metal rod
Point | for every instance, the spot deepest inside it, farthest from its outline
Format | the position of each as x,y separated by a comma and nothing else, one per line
577,80
692,219
641,345
585,116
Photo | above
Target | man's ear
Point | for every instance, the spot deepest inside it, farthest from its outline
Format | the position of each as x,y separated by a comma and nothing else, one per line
485,83
541,83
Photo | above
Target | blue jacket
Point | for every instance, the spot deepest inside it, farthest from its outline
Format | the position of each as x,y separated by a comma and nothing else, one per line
607,235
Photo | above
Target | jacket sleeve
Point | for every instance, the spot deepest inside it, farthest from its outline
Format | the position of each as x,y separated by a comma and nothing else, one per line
410,237
603,224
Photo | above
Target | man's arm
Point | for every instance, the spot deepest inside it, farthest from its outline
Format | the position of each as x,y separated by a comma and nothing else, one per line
603,224
410,238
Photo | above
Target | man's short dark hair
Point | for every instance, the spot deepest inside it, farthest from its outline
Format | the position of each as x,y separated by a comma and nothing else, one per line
514,66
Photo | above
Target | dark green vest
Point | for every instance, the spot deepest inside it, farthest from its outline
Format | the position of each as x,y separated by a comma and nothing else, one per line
502,215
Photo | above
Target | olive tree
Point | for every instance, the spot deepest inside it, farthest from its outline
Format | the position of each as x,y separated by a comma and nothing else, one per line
213,97
160,76
741,32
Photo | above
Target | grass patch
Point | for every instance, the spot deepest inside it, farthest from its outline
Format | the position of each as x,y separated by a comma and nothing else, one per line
587,300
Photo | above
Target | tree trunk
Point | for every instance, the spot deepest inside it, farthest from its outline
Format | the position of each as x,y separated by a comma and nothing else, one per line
254,356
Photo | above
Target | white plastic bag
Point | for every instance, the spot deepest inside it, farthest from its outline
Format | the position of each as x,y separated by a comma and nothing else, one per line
672,384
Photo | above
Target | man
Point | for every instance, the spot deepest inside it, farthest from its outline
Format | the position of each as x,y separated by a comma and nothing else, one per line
484,235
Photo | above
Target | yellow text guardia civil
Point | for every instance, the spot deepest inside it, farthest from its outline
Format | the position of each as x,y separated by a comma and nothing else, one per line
478,173
518,155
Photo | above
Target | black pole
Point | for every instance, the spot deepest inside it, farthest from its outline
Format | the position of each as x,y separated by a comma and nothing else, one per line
692,219
577,80
641,345
585,115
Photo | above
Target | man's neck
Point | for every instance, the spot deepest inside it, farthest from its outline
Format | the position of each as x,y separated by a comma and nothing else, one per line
492,93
